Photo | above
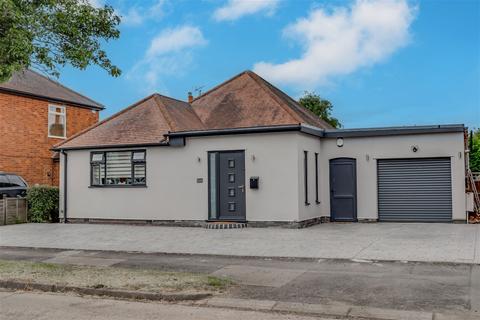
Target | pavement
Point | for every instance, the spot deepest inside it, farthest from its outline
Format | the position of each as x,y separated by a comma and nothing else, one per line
439,243
337,287
26,306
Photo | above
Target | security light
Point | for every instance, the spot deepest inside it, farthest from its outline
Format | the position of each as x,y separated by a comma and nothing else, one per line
339,142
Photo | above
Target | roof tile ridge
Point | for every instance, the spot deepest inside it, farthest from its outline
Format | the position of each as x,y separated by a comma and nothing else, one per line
187,104
299,108
165,113
113,116
220,85
289,110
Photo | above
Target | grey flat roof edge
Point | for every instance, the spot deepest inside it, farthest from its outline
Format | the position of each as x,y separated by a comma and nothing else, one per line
390,131
326,133
246,130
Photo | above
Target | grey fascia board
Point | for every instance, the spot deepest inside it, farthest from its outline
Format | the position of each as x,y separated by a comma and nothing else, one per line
311,130
260,129
392,131
215,132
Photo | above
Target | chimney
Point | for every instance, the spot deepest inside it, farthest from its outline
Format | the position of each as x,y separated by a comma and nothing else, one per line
190,97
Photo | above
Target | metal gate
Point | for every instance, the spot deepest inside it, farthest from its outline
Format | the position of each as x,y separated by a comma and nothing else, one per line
417,190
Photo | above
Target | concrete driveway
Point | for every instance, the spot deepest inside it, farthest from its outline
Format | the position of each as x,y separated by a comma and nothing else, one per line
452,243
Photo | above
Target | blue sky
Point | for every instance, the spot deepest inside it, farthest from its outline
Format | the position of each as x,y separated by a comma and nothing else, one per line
381,63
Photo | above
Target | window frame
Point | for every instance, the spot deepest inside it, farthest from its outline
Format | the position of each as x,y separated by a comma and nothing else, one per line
63,113
132,169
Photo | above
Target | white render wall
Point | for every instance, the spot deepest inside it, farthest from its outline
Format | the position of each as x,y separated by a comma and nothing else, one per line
311,144
172,192
385,147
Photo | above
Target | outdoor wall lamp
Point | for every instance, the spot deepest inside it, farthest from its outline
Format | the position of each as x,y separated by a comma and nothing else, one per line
340,142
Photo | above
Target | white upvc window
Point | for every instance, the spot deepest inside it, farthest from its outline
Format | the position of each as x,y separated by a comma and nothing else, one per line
57,122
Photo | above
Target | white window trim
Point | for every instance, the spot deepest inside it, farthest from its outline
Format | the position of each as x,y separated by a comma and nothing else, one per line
63,113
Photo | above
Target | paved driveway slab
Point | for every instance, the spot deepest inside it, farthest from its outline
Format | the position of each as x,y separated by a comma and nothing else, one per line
453,243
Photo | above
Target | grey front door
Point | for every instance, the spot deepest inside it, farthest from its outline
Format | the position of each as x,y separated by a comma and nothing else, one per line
228,185
343,189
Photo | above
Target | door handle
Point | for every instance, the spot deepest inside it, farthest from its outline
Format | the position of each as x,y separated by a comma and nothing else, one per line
242,187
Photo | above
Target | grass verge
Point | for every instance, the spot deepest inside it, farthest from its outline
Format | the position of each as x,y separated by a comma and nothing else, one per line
144,280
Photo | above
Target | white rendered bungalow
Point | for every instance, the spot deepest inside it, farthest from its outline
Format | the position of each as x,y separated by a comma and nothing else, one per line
246,152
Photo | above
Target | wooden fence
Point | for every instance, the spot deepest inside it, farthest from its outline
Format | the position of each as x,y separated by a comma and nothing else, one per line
13,210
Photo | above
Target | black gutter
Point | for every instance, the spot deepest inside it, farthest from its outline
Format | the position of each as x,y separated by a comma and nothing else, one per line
65,163
246,130
116,146
51,99
391,131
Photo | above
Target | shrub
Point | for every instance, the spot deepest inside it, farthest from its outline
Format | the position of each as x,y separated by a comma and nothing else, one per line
43,204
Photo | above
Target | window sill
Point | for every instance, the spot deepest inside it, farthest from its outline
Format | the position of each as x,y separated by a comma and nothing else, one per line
120,186
55,137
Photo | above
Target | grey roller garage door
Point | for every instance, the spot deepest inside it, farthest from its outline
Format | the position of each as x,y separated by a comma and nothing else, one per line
414,190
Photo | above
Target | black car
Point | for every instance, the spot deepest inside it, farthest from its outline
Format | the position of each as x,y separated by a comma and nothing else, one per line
12,185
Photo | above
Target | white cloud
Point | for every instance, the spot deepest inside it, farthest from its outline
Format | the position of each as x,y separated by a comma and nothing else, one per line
132,17
235,9
342,40
137,15
171,40
170,54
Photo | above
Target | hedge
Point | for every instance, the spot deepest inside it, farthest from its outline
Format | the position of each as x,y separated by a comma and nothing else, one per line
43,203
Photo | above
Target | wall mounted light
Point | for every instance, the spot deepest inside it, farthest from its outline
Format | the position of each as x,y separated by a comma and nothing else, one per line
367,157
340,142
199,159
253,157
415,148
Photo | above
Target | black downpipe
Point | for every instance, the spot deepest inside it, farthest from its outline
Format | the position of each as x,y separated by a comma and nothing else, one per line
65,162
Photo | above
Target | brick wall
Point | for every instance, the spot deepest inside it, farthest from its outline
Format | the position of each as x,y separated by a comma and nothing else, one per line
24,142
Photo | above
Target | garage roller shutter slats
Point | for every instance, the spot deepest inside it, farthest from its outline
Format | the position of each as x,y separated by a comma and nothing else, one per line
414,190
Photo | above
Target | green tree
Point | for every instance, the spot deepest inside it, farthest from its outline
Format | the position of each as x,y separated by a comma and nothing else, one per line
321,107
47,34
474,147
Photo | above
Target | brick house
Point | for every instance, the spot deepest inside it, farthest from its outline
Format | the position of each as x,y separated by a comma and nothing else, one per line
35,114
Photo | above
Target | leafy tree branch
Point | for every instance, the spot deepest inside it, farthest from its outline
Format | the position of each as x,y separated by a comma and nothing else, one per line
48,34
321,107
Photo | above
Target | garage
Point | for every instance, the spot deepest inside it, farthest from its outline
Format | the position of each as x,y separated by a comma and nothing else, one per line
414,190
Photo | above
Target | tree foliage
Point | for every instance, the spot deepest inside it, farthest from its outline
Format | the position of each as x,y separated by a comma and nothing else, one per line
321,107
474,147
46,34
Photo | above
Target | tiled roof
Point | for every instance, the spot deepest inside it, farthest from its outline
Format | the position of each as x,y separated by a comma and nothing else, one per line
33,84
247,100
145,122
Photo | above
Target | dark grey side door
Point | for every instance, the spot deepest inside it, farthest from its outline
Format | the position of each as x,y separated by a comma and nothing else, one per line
343,189
230,185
